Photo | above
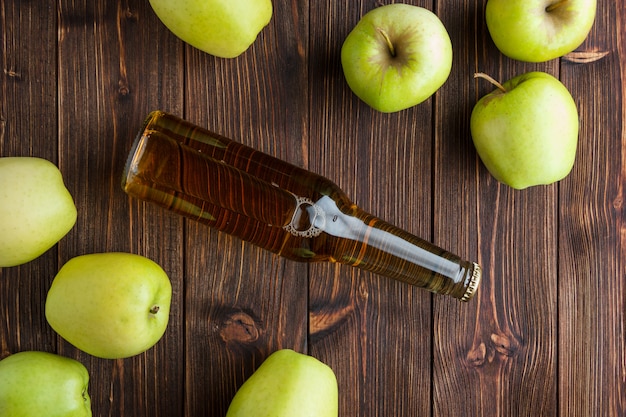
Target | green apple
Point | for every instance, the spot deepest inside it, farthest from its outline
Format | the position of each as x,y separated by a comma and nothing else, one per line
43,384
224,28
526,131
110,305
539,30
396,57
36,210
287,384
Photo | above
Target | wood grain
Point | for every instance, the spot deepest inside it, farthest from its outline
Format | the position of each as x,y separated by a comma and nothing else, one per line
376,159
242,303
28,127
108,81
591,238
545,334
499,352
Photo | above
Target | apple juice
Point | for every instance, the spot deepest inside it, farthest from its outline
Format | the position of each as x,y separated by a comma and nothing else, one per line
280,207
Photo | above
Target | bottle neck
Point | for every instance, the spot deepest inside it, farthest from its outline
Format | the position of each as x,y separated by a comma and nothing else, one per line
364,241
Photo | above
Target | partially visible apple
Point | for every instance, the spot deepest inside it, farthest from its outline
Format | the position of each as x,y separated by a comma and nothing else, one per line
224,28
43,384
396,57
539,30
110,305
36,210
287,384
526,131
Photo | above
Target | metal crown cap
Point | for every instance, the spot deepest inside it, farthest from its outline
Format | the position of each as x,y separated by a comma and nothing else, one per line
474,281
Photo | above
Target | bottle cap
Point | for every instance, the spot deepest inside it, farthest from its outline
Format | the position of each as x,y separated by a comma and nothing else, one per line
474,281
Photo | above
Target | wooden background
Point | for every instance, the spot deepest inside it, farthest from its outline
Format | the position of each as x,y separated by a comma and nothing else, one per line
543,337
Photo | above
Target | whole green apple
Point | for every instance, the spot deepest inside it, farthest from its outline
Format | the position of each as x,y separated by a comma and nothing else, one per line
396,57
526,131
43,384
110,305
539,30
36,210
287,384
224,28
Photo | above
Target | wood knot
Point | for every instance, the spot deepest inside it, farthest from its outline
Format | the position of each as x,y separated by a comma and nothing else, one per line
477,356
327,319
130,15
499,347
585,57
505,345
13,74
239,327
123,89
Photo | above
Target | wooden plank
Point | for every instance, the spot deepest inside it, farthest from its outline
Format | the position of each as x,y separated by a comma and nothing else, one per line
374,333
499,351
592,296
28,127
242,302
113,70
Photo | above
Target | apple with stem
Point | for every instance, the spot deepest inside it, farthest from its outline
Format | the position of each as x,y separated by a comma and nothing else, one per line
287,384
36,383
539,30
224,28
526,130
396,57
110,305
36,209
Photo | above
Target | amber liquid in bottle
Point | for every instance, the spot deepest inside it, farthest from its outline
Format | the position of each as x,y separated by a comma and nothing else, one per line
278,206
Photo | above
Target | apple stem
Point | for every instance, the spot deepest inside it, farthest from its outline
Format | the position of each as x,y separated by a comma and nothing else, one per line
556,5
491,80
385,35
154,309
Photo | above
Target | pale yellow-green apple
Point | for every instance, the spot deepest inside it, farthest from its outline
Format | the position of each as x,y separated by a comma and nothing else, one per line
539,30
110,305
36,209
526,130
224,28
42,384
396,57
288,384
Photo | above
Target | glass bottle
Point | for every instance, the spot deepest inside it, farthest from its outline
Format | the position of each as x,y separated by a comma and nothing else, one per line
280,207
